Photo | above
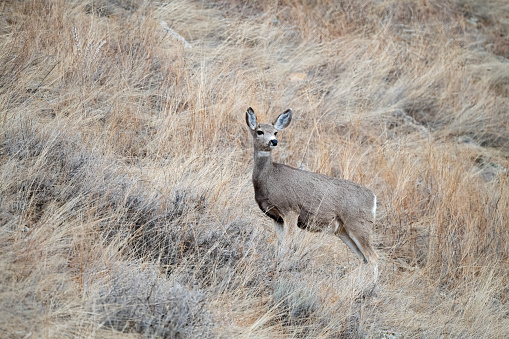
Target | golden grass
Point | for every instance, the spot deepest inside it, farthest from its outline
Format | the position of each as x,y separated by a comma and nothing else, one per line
126,206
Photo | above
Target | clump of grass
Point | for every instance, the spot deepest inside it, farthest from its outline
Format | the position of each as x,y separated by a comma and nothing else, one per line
295,304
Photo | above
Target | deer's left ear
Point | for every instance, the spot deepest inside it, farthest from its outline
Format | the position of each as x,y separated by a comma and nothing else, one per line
283,120
251,119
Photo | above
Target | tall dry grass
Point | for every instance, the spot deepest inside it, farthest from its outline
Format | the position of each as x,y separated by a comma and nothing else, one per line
126,207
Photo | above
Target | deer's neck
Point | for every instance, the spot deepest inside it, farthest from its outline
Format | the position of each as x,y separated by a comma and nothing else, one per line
262,166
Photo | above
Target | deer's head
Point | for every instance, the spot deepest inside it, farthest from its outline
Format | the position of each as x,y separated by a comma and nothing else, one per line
264,135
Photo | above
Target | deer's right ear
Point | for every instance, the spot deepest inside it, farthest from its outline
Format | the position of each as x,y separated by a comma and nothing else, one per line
251,119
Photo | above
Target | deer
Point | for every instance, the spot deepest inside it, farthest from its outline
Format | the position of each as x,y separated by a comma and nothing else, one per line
298,199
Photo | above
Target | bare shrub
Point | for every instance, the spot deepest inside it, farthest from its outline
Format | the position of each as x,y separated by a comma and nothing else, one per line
139,299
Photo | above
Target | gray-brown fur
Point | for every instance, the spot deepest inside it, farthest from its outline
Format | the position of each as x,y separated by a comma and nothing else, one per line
292,197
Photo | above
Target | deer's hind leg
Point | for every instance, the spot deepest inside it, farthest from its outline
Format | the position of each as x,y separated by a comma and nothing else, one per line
341,232
360,233
357,236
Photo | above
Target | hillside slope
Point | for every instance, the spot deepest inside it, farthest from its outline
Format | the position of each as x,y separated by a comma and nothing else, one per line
126,202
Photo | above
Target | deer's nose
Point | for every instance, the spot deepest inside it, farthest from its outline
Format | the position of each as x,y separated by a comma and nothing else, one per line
273,142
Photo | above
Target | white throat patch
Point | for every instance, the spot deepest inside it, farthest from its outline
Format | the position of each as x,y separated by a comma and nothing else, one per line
263,153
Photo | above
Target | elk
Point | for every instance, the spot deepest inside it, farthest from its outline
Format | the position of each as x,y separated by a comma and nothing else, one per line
295,198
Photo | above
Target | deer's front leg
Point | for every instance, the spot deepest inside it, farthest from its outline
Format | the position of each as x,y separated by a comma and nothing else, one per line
280,233
290,228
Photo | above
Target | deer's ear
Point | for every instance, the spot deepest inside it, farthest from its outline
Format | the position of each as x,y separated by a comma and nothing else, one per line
251,119
283,120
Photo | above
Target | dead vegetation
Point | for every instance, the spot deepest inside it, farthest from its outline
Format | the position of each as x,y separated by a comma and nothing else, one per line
126,204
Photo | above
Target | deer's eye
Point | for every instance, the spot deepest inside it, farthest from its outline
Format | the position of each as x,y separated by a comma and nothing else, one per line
259,132
275,133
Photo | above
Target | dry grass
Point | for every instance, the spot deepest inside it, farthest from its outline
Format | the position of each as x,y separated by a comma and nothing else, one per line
126,206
